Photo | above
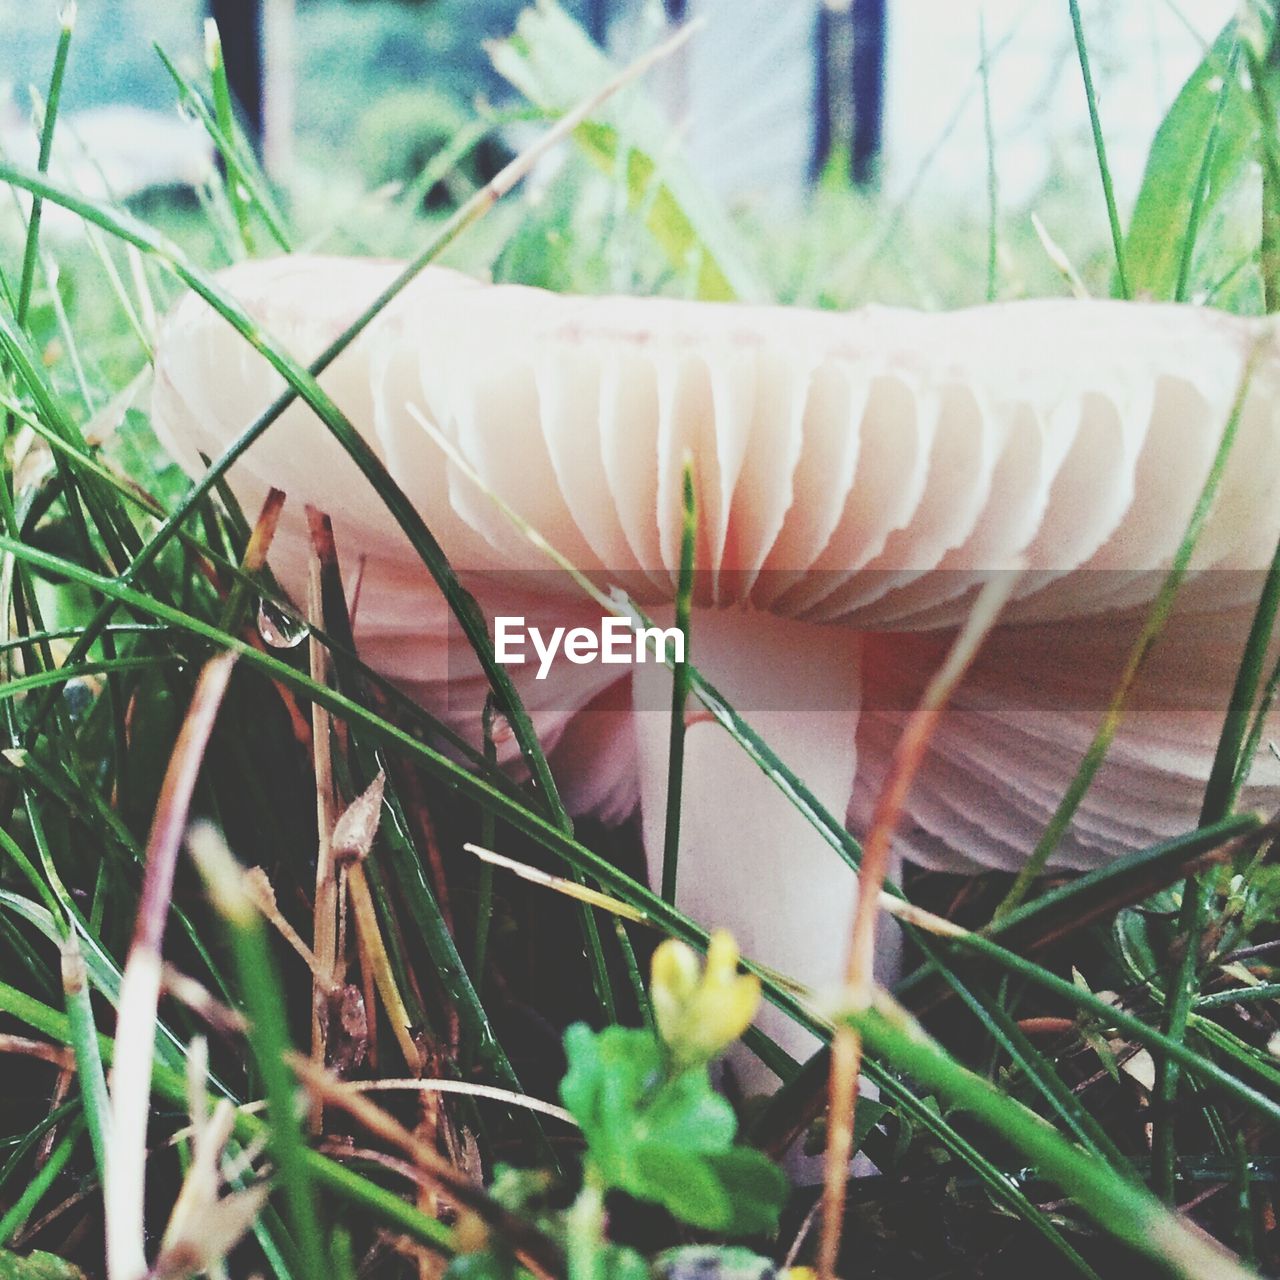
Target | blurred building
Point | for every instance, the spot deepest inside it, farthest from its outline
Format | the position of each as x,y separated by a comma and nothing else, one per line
771,90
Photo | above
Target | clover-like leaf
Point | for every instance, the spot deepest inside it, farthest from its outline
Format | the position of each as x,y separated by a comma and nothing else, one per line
661,1133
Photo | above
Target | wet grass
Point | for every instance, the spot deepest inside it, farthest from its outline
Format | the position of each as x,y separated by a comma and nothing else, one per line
1020,1117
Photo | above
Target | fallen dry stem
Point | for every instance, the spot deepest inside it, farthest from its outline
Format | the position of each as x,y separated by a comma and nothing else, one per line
846,1045
534,1249
494,1094
892,905
264,532
374,960
201,1001
54,1054
350,844
558,884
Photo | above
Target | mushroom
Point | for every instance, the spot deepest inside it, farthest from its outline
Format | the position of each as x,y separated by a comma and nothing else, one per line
857,476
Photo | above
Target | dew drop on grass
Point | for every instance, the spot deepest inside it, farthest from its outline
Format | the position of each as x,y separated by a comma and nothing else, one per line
279,629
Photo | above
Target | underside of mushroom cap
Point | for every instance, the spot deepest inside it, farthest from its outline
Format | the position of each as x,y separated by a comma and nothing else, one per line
862,469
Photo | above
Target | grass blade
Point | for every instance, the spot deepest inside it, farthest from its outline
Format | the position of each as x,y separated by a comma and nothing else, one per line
242,174
31,250
679,684
1229,758
268,1036
554,63
993,179
1115,1203
84,1041
224,114
23,1207
1100,149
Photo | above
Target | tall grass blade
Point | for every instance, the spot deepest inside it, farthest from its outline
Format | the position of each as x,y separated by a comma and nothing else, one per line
554,63
268,1036
246,186
993,178
1100,149
679,684
31,250
1118,1205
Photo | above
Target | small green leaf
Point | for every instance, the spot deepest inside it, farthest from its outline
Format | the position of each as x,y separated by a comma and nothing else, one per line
621,1263
37,1266
1197,157
688,1111
478,1266
756,1188
665,1136
684,1181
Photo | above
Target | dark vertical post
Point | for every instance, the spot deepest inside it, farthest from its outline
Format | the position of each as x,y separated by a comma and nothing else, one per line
849,106
676,9
868,87
823,133
240,27
598,20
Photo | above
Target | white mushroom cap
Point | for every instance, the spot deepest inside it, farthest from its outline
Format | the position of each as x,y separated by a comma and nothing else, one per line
857,474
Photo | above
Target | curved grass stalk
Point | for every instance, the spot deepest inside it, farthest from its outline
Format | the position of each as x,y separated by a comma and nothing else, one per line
1100,148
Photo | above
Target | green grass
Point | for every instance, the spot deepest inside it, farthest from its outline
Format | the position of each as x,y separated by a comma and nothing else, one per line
113,600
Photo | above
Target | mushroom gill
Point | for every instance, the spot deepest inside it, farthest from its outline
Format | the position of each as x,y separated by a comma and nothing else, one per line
858,474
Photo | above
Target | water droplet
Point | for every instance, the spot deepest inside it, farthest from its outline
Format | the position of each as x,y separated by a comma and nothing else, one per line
279,629
79,697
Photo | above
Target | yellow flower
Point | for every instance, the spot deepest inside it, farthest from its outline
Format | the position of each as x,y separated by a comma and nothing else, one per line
701,1011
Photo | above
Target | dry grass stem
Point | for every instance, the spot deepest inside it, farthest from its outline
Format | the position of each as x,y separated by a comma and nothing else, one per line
559,884
324,936
466,1088
264,531
534,1249
124,1189
53,1054
259,888
846,1047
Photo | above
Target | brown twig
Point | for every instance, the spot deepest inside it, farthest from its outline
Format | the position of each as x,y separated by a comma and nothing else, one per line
536,1251
54,1054
324,938
201,1001
846,1047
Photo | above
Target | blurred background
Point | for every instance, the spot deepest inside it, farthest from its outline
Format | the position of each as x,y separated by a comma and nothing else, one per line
917,113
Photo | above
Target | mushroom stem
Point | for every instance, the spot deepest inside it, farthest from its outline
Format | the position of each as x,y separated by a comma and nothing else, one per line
749,862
